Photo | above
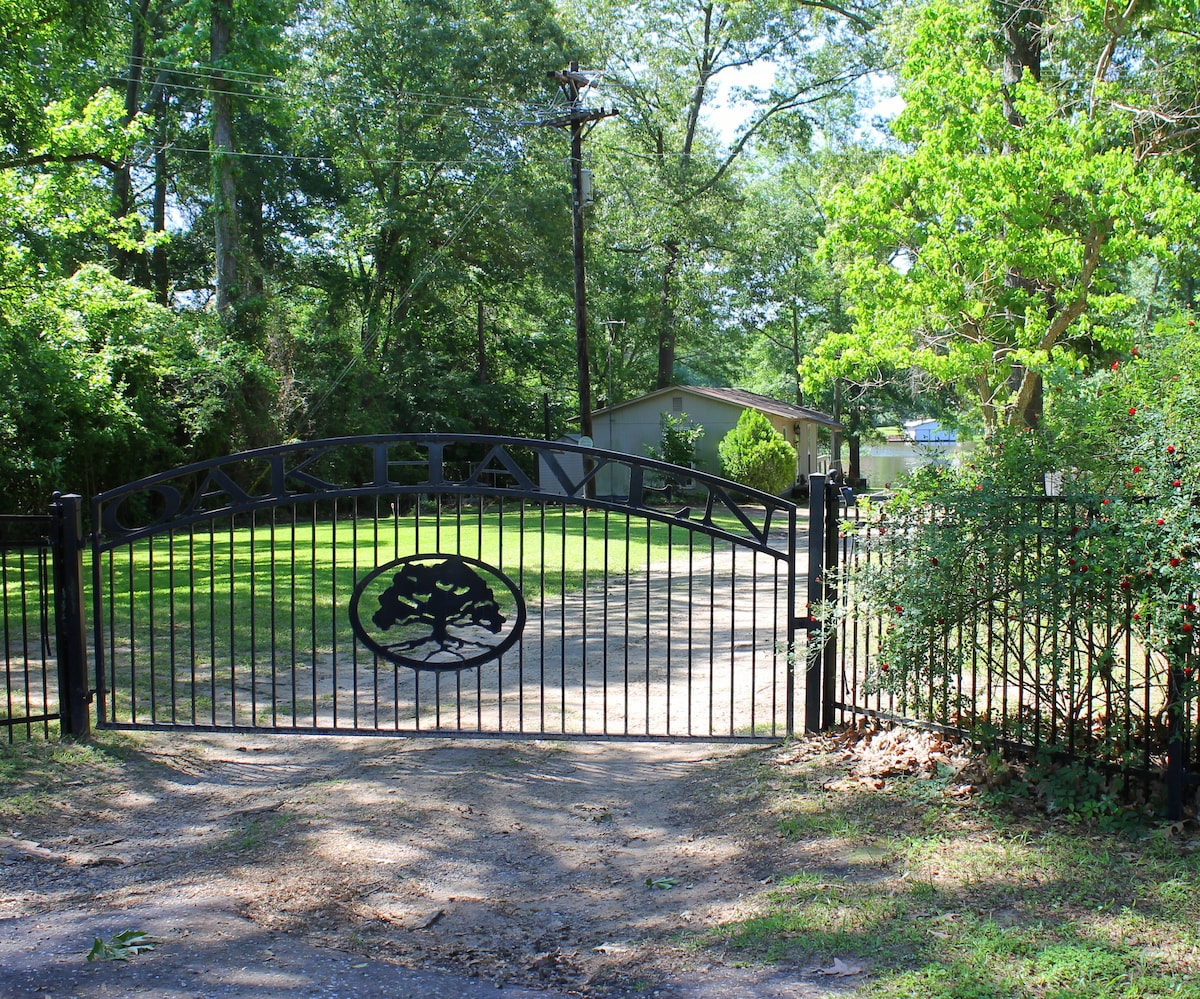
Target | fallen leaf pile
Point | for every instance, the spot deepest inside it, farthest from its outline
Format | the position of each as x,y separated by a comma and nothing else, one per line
876,751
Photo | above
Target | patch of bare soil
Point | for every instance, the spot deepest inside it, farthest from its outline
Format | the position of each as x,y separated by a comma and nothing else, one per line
578,867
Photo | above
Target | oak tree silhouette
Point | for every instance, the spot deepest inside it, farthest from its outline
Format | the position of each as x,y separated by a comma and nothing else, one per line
427,600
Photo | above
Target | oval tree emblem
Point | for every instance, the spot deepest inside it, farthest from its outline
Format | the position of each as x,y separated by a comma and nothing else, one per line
437,612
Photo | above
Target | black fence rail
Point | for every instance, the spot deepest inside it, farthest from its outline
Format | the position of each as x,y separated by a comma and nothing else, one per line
1000,629
29,700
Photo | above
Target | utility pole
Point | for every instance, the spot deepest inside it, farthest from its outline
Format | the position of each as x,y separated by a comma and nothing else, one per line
573,83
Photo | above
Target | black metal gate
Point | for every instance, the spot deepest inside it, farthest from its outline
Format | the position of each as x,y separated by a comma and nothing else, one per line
449,584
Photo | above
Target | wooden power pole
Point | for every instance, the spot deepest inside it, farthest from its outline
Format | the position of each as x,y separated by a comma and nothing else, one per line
573,84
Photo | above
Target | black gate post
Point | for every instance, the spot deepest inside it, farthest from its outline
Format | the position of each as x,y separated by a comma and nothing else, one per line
820,689
830,580
73,694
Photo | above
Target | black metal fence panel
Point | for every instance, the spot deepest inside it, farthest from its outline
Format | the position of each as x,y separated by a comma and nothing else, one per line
1027,650
30,694
445,585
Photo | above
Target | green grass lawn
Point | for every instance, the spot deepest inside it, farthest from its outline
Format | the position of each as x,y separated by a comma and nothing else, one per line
940,896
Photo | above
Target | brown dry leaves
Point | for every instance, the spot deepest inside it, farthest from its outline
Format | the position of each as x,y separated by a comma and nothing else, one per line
876,751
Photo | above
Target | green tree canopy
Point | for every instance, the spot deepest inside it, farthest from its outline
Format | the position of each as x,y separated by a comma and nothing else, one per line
996,243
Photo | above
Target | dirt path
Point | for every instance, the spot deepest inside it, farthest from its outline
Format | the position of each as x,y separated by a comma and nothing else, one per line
272,863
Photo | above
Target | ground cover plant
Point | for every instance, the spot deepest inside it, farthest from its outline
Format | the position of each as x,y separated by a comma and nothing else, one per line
932,872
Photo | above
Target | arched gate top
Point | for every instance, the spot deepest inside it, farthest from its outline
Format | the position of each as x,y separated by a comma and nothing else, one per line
438,465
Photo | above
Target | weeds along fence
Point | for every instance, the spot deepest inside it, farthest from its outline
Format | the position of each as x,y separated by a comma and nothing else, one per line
30,704
1029,624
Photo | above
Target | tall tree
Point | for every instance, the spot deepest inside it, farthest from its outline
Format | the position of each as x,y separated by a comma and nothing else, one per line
995,245
672,66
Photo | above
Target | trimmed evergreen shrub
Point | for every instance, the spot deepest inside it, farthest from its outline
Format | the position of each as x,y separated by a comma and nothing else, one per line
755,454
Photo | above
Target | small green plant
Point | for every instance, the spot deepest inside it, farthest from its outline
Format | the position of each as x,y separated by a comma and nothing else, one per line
663,882
678,440
122,946
757,455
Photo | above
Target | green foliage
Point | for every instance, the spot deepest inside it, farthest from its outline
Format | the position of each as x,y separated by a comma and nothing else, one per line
755,454
122,946
990,251
1079,603
677,445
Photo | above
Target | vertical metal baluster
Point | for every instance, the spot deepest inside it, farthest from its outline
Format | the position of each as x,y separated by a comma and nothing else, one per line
354,718
521,587
628,605
253,559
691,623
333,609
110,589
133,648
150,645
504,569
171,584
712,635
562,599
437,676
732,640
670,620
479,668
191,588
233,708
274,616
583,626
312,609
753,644
605,626
212,620
293,617
416,676
542,618
649,547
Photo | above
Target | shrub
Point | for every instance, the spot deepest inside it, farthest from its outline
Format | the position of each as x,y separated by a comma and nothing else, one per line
755,454
1076,617
677,444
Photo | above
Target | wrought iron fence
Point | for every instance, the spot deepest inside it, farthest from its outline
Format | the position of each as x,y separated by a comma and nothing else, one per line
30,694
997,629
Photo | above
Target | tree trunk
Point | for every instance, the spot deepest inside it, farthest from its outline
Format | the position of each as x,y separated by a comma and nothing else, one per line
224,183
855,471
123,181
666,319
159,265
